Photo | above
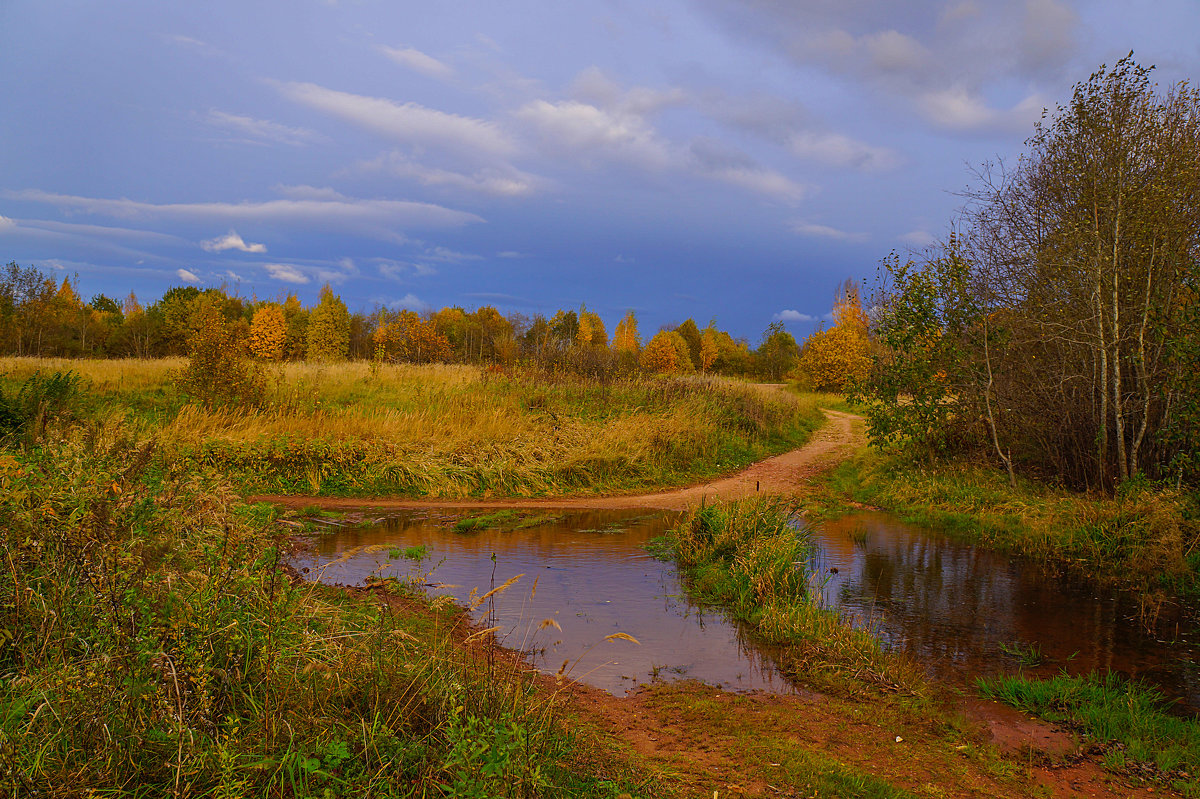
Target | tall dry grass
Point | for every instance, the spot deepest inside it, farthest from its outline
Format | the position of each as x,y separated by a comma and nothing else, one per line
454,431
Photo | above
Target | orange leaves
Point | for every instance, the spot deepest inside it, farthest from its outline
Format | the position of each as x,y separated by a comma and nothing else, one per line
268,333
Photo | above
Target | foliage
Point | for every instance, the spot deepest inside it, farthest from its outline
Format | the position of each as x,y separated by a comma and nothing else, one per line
920,382
328,328
41,400
625,338
1053,330
409,338
660,354
268,333
152,643
838,358
1134,720
777,353
218,371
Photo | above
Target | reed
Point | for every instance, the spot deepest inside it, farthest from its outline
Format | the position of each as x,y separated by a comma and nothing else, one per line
751,557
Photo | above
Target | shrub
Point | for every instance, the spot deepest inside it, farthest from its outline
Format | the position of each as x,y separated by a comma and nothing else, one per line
218,370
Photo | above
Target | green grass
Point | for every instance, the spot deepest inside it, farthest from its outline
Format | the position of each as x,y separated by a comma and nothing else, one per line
750,557
1145,535
1131,718
153,644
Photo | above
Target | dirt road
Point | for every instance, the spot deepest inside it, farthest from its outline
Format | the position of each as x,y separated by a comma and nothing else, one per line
784,474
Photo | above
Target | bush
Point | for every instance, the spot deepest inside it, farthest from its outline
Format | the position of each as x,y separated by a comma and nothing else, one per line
39,401
218,370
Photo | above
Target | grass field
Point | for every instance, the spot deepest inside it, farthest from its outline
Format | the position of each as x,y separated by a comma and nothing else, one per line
449,431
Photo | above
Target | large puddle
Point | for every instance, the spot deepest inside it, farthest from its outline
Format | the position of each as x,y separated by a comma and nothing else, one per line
960,611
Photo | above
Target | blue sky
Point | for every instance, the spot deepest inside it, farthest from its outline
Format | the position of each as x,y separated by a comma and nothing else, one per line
727,159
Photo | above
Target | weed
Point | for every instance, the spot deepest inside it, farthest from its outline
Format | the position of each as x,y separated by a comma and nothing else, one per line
1132,717
750,557
1028,655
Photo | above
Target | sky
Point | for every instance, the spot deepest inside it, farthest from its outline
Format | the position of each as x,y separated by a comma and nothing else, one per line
734,160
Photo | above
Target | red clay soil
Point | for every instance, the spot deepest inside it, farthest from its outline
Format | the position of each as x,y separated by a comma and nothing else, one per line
695,737
788,473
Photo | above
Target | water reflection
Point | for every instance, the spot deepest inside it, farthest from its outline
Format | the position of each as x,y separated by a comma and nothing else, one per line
960,611
963,611
593,577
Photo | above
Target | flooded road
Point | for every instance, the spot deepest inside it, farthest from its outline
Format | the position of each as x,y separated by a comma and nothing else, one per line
960,611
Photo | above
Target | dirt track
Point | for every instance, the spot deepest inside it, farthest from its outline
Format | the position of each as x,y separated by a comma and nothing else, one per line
784,474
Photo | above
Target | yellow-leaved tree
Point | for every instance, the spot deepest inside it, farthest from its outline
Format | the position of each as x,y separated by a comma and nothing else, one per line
709,347
625,338
660,355
328,328
834,358
268,333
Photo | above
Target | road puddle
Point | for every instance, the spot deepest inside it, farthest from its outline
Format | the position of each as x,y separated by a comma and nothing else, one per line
960,611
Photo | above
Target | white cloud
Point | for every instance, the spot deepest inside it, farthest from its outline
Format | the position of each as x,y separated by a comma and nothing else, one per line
789,315
918,238
826,232
418,61
510,254
186,276
7,224
409,302
585,130
308,192
834,149
502,181
263,130
231,241
381,217
397,270
286,272
960,109
408,122
761,181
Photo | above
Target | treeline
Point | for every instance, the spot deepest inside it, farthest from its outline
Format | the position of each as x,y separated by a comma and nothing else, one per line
42,317
1058,330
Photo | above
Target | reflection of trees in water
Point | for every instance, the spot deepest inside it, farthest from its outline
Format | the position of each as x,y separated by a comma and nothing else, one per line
952,606
948,604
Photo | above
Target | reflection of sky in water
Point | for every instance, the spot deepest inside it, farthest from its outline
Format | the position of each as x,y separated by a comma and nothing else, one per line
593,577
951,606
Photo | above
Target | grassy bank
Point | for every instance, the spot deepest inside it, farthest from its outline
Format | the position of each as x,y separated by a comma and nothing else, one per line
451,431
751,557
152,644
1145,535
1129,720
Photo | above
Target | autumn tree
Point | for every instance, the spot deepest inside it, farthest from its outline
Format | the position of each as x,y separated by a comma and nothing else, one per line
268,333
405,336
625,337
709,347
836,358
328,328
777,353
295,347
218,371
660,355
690,333
591,330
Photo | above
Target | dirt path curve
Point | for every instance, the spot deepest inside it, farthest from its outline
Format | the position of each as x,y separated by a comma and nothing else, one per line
784,474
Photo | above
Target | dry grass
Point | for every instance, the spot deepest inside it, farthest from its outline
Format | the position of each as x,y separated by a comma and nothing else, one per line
453,431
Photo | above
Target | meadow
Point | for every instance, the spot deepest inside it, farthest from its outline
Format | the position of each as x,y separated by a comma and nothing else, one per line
440,431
